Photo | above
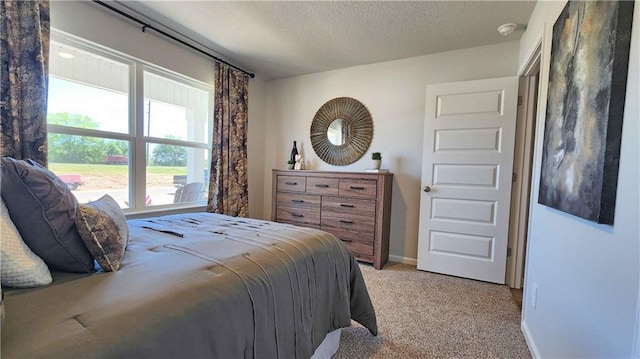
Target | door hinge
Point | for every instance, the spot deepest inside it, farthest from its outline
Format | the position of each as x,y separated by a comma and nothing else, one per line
519,100
514,177
508,252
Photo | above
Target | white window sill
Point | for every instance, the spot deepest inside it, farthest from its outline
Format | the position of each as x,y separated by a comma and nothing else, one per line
163,210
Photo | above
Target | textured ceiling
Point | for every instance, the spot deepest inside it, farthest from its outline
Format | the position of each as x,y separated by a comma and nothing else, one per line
278,39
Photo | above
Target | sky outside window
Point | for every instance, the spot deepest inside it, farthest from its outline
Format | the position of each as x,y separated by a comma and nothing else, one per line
111,109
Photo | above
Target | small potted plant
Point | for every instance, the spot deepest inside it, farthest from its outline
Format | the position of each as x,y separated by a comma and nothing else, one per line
290,164
376,158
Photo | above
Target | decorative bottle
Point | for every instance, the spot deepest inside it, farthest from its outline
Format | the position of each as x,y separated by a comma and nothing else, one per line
294,151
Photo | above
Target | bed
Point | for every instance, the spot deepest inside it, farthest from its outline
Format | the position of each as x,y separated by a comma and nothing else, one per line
192,286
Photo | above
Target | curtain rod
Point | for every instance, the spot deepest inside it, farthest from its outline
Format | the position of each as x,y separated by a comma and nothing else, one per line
146,26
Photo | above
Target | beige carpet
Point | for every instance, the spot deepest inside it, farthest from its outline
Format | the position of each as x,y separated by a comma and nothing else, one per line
427,315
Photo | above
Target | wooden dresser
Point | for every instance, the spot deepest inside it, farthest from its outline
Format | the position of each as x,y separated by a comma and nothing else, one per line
354,206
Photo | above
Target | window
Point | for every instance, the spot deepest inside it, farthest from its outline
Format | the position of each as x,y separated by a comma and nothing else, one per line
126,128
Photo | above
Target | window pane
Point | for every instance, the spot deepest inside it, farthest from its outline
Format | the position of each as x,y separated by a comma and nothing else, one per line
87,90
177,174
82,163
175,110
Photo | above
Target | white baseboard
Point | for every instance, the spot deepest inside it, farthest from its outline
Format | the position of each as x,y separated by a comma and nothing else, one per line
529,339
403,260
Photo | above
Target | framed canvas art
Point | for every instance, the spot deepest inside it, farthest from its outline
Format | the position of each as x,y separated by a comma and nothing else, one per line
585,106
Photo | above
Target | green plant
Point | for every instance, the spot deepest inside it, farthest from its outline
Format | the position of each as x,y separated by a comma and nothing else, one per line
376,156
291,162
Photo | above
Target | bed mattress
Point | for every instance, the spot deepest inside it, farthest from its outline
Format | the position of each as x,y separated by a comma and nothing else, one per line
196,285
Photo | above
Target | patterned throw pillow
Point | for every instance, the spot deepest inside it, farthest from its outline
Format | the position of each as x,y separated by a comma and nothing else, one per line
104,230
19,266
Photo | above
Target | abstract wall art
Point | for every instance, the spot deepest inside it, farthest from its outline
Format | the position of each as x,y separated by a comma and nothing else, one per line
585,107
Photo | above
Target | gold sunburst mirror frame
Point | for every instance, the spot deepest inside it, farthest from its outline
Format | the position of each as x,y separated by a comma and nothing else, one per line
341,131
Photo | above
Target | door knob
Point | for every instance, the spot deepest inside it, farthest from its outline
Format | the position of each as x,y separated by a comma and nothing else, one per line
427,189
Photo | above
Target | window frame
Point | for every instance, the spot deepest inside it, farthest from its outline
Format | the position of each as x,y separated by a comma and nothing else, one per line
136,138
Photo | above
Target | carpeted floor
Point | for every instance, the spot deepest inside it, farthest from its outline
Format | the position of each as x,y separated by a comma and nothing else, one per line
428,315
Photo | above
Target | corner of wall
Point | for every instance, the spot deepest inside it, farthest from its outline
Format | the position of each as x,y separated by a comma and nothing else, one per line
256,147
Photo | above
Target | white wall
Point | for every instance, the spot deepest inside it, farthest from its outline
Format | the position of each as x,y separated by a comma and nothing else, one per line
394,93
93,23
587,274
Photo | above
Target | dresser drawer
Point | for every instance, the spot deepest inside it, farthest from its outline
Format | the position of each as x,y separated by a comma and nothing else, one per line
350,222
292,183
361,244
298,200
358,188
320,185
308,225
361,207
363,257
303,216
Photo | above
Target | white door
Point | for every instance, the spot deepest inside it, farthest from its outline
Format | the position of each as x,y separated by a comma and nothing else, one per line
469,135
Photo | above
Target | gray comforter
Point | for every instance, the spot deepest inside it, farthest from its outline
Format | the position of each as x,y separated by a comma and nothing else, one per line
196,286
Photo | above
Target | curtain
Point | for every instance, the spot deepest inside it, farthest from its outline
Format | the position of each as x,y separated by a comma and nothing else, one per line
228,183
24,54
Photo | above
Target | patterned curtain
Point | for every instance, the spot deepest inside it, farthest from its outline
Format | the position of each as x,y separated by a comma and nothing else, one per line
228,181
24,54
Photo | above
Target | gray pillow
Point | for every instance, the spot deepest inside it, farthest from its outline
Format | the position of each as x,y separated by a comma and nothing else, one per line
44,211
105,231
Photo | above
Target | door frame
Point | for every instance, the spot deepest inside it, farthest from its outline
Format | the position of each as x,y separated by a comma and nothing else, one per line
523,162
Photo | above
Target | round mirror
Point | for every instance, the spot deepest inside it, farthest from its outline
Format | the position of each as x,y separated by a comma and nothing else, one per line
338,132
341,131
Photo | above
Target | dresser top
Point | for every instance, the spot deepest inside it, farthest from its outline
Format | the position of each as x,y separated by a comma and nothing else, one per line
332,173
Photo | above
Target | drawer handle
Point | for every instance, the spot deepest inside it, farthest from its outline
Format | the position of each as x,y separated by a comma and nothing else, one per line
346,221
346,205
322,185
296,215
291,183
297,201
345,240
358,188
